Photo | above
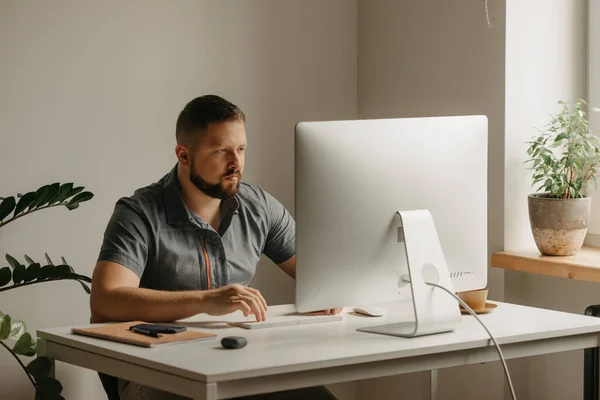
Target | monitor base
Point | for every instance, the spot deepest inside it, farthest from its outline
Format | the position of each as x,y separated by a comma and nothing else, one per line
434,310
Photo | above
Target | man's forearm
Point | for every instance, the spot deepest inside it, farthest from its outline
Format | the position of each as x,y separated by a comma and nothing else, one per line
128,304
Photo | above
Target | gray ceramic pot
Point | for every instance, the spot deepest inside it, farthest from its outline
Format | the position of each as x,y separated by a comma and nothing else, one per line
558,225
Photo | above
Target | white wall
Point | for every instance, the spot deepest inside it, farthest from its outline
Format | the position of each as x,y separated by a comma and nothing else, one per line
545,62
90,91
593,75
427,58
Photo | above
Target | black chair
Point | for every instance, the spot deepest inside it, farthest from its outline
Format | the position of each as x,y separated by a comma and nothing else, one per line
109,383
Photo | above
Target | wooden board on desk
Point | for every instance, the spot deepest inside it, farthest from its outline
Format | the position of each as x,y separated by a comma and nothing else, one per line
584,266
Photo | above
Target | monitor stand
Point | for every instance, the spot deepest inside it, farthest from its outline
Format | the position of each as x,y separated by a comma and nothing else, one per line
434,310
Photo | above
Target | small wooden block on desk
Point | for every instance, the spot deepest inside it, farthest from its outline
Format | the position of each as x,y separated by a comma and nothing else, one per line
584,266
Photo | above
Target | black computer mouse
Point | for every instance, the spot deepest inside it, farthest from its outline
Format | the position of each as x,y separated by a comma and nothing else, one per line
234,342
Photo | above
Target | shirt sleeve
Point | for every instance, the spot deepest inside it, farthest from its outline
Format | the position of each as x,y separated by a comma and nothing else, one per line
126,238
281,238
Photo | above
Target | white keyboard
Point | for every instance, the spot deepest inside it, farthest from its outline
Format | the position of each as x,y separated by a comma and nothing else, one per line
286,320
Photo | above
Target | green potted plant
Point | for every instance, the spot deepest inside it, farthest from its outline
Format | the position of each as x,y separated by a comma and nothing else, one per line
13,333
565,158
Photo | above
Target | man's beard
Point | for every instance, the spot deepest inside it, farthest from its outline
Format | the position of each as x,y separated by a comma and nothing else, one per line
216,190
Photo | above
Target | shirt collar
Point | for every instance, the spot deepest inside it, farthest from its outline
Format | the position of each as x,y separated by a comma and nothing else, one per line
174,207
230,205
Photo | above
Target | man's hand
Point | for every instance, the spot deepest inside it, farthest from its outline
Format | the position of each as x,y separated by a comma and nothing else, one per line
235,297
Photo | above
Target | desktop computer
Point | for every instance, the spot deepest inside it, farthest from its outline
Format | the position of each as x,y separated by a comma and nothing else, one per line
382,206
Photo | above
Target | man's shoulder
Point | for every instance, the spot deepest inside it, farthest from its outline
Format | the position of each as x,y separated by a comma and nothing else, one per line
257,199
253,199
147,199
251,192
148,194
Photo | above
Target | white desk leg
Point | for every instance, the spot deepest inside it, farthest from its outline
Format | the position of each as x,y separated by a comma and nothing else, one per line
209,394
433,384
42,351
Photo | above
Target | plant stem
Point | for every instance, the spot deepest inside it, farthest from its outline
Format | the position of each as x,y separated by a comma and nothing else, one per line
34,282
20,363
570,180
29,212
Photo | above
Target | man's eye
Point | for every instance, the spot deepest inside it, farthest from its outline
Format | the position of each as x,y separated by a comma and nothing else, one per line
242,149
221,151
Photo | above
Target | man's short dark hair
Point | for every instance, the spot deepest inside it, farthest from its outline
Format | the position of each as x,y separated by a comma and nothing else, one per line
198,113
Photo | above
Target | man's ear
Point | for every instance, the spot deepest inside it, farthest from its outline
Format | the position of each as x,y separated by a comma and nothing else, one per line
183,155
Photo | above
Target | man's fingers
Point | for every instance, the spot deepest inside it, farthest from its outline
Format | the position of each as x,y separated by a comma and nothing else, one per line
254,303
262,299
242,306
261,303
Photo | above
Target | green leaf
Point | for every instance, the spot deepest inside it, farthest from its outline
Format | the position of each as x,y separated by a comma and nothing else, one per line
51,194
40,396
33,272
81,279
49,387
25,346
61,271
73,275
40,368
40,196
48,260
19,274
46,272
85,287
80,198
6,207
72,206
74,191
560,137
29,260
17,328
4,327
5,276
65,191
24,202
12,261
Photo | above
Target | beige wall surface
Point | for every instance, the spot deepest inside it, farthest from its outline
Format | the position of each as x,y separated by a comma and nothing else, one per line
90,91
433,58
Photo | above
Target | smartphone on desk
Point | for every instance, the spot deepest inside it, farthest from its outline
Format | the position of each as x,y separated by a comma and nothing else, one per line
157,328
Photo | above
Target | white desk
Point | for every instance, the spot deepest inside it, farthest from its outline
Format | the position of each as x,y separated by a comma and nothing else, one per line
319,354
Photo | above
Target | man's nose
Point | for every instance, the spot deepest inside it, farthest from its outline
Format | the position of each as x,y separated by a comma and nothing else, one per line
236,160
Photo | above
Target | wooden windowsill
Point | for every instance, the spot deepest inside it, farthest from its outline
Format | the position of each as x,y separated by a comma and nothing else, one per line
584,266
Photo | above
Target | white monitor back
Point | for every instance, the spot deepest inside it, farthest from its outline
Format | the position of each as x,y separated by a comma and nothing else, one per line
351,179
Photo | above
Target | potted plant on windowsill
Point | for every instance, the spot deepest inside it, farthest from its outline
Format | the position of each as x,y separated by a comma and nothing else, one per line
565,159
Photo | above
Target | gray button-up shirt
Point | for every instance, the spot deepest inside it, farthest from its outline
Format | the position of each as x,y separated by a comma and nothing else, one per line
169,248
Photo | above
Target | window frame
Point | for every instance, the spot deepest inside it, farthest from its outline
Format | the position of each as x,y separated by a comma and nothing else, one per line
593,94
